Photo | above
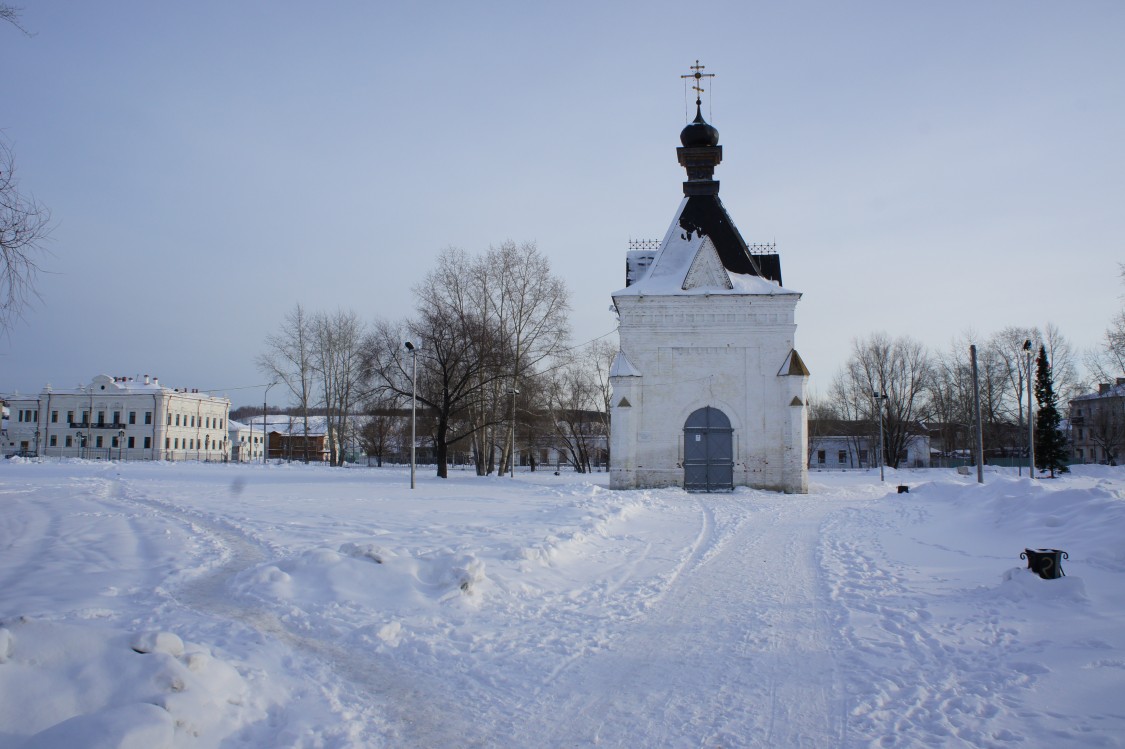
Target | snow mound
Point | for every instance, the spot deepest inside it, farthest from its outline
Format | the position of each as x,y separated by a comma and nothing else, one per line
366,575
158,642
69,685
1021,584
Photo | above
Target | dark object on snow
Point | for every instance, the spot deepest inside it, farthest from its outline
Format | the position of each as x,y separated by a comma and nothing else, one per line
1045,562
904,490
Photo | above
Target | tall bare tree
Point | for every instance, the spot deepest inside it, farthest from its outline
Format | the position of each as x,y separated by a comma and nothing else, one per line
24,227
529,305
25,224
457,355
897,368
1107,362
578,405
288,358
337,352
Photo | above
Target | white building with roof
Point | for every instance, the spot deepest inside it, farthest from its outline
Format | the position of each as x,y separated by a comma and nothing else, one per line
708,389
120,418
247,442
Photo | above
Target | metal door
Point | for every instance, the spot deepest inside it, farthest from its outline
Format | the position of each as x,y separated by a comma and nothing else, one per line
708,452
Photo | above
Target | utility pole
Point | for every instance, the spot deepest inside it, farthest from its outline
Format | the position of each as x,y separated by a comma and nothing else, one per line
976,417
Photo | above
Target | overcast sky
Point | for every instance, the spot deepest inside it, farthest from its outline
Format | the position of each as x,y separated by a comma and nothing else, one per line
925,168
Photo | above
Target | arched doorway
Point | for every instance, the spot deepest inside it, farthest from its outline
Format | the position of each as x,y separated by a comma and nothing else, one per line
708,451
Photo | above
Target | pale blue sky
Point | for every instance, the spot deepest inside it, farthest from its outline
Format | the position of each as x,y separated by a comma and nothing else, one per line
923,167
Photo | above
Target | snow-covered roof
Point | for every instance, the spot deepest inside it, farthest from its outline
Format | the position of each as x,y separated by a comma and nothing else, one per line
1109,391
622,367
689,263
125,385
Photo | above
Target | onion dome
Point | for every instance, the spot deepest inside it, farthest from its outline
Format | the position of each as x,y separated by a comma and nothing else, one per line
698,133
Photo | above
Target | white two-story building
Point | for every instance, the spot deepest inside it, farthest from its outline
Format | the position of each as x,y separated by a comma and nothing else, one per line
119,418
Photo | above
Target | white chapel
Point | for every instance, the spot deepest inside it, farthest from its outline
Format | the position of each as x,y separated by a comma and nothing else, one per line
709,392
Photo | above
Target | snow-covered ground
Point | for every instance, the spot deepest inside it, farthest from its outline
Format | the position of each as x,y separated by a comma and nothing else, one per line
185,605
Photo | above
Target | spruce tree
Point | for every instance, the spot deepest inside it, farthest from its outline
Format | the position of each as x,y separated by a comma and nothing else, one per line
1050,443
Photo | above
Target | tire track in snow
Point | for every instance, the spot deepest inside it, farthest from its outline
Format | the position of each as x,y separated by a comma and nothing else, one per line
370,696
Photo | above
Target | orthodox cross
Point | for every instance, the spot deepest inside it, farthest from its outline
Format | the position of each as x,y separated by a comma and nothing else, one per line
698,76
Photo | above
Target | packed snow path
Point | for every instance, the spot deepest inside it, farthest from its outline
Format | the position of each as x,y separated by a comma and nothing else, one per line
735,651
199,607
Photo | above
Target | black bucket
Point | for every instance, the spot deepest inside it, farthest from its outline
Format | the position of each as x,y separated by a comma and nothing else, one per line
1045,562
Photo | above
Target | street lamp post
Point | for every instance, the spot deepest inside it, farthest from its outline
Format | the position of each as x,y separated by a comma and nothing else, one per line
879,398
1030,419
120,444
81,443
512,435
413,405
265,410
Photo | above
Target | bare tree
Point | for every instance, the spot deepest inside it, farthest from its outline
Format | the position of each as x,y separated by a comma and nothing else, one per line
529,305
1106,425
289,359
383,430
456,354
11,14
951,397
1107,362
24,227
1064,370
578,404
337,361
897,368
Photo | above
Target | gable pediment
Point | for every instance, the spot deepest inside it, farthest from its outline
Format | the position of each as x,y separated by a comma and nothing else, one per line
707,271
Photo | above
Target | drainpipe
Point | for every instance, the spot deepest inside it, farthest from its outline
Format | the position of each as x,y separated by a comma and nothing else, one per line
155,421
47,425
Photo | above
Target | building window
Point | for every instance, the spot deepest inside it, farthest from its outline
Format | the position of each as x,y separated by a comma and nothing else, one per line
842,457
132,442
177,419
101,419
98,441
70,417
69,441
116,417
148,417
863,457
821,457
85,417
167,442
54,417
169,418
114,443
54,440
132,417
148,442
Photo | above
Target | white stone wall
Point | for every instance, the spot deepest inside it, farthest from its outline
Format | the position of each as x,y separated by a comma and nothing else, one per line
721,350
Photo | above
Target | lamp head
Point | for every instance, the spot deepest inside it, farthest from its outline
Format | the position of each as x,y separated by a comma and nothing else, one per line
409,346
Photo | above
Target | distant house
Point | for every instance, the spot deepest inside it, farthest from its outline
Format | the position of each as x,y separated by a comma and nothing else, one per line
836,444
247,442
286,438
122,418
1097,424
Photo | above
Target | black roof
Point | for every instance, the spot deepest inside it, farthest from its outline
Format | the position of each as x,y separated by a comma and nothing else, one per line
705,214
